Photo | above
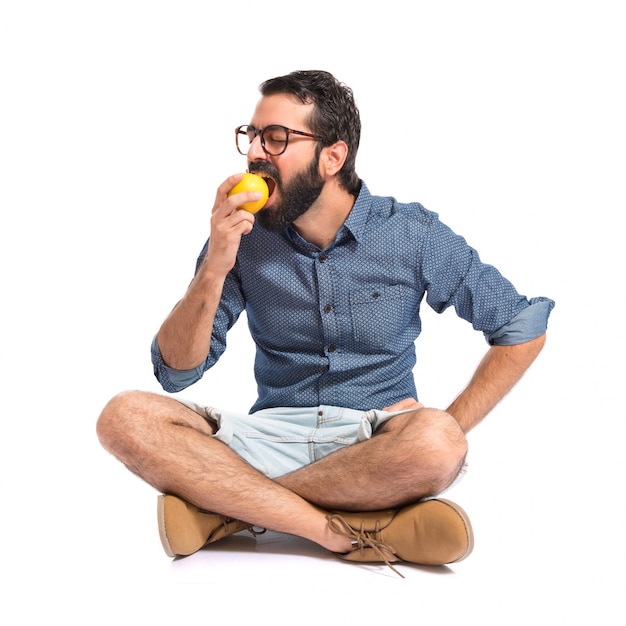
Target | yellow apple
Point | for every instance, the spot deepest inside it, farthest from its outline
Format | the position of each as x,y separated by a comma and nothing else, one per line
251,182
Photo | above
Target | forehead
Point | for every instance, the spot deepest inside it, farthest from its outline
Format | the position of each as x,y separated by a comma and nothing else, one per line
281,109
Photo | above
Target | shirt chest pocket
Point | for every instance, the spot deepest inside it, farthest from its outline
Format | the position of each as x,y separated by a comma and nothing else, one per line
377,314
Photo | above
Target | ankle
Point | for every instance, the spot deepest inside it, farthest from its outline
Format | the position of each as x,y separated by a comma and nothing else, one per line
336,542
339,545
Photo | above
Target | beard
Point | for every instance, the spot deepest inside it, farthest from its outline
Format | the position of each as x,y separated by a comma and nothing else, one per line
296,197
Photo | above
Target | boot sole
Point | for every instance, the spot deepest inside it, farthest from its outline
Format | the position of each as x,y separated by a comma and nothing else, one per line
185,529
466,523
162,531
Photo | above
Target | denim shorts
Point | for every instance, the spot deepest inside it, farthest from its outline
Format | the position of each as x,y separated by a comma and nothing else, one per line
280,440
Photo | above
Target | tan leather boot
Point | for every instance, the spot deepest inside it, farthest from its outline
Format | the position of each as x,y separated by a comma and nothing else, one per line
185,529
432,532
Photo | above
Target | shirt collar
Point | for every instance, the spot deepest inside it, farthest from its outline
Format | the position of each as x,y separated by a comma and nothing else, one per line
357,219
354,224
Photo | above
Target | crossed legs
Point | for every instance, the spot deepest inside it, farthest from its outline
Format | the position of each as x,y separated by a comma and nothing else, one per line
411,456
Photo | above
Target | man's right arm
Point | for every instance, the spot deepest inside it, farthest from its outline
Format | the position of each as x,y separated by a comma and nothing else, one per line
184,339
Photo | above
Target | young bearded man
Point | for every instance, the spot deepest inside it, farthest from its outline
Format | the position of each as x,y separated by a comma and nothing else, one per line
337,448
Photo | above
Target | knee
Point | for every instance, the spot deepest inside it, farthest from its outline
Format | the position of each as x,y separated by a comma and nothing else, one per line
446,448
433,443
445,434
115,419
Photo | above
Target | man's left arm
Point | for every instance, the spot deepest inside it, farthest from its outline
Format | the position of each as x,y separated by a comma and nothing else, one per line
497,373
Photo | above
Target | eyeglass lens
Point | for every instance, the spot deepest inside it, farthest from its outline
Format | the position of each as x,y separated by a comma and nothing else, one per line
273,139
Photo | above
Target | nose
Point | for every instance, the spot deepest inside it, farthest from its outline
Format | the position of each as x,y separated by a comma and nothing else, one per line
255,151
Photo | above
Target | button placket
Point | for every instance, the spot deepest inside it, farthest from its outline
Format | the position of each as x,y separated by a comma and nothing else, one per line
326,303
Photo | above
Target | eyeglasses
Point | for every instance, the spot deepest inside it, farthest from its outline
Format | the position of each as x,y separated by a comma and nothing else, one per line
274,138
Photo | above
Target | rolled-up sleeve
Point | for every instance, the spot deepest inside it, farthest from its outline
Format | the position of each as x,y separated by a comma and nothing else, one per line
528,324
232,303
456,276
172,380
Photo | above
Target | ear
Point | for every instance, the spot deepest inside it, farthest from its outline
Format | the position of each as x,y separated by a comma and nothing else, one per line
332,158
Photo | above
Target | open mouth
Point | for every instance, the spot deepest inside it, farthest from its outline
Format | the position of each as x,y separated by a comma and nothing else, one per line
271,183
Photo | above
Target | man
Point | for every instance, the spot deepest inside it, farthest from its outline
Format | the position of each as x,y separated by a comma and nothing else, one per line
337,448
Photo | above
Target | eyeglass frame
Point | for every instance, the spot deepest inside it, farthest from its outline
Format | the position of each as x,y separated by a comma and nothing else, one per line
259,132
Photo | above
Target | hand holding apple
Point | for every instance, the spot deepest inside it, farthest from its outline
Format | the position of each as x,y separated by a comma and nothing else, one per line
251,182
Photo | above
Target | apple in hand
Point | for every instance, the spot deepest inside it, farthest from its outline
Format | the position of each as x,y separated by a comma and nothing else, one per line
251,182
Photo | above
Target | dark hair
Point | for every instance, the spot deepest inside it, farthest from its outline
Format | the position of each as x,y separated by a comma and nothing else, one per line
335,115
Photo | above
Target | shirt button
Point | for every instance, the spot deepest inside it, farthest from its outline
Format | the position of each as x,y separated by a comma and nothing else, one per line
331,347
323,258
328,308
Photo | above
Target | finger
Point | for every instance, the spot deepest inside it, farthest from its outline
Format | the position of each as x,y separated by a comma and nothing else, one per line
227,218
242,198
222,191
231,203
407,403
229,183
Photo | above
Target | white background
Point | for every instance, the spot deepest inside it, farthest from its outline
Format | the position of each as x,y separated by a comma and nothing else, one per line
116,127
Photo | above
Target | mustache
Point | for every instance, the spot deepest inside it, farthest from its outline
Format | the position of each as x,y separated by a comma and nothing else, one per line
267,168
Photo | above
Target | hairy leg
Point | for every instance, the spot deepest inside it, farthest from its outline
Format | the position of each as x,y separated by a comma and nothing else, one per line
413,455
170,447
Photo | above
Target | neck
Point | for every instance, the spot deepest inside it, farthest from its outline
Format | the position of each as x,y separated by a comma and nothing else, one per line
321,223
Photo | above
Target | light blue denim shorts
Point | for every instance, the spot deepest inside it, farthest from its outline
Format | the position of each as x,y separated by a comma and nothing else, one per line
280,440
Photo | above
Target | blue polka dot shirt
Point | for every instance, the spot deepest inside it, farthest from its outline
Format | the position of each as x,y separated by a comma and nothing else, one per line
338,326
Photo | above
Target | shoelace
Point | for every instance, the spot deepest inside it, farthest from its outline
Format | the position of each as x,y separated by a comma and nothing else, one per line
362,539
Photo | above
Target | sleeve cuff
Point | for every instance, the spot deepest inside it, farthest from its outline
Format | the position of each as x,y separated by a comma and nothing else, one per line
172,380
527,325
